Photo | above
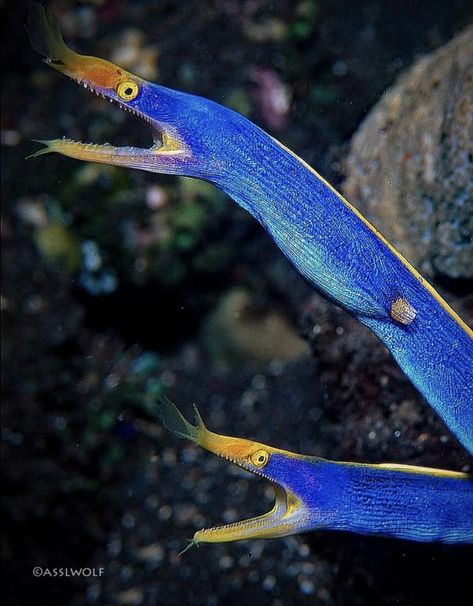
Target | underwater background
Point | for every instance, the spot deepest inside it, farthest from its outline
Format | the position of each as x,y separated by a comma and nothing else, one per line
120,286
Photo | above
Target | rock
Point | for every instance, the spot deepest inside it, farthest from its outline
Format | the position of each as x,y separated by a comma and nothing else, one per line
410,168
239,330
130,597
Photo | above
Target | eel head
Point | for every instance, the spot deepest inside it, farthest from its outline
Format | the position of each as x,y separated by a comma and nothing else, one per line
288,515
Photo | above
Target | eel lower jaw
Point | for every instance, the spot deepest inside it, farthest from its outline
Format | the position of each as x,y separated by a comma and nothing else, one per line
92,152
133,157
283,519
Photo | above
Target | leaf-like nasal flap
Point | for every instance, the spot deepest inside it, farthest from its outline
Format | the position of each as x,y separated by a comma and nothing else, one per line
45,34
173,420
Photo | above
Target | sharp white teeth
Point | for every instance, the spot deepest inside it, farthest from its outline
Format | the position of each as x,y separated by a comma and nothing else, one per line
130,110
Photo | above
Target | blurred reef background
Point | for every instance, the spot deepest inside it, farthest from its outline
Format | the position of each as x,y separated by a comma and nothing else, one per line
120,286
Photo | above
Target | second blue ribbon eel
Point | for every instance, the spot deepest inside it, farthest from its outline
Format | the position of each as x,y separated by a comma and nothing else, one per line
326,238
398,501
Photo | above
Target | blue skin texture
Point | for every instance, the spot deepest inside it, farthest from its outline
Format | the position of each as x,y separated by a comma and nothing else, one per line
376,501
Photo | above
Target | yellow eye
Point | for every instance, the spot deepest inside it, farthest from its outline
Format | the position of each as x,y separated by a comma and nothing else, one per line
259,458
127,90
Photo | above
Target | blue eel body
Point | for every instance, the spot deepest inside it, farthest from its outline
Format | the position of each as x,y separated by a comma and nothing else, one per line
332,246
379,501
345,260
343,257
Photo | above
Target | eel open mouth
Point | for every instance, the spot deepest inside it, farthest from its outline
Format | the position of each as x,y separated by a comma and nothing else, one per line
105,152
274,523
130,156
249,455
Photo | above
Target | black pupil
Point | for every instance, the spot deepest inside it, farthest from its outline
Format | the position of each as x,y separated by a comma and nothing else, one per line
128,91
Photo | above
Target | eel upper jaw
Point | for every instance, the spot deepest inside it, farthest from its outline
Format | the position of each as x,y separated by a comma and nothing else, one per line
286,515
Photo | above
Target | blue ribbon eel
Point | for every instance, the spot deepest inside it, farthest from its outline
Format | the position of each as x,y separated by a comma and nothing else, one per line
398,501
332,245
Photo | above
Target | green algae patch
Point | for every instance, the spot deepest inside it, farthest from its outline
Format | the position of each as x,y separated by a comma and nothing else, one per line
58,244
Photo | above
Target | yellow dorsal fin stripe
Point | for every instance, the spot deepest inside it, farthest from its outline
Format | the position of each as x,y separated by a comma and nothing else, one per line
403,260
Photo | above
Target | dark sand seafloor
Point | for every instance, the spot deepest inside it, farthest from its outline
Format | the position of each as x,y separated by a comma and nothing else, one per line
121,286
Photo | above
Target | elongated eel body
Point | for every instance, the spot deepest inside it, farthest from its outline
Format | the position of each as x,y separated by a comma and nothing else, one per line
402,501
341,254
344,257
